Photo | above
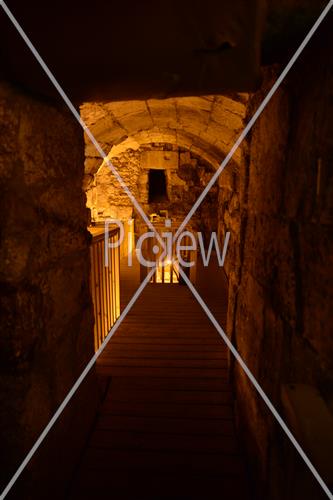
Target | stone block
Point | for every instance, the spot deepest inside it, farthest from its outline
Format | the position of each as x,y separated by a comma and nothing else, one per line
164,160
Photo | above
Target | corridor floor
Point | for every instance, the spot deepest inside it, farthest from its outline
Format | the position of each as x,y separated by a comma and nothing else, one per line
165,429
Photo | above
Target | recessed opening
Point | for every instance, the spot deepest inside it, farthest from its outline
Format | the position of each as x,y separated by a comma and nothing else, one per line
157,186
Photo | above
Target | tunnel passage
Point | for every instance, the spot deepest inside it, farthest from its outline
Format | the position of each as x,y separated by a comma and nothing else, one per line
166,421
275,198
263,273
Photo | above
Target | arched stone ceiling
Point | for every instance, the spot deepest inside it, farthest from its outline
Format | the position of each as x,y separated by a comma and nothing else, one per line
207,126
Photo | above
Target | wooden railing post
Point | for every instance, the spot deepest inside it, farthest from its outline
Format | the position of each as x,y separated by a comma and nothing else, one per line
105,283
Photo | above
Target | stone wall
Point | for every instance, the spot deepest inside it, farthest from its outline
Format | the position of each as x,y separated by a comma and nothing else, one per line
46,320
186,176
279,263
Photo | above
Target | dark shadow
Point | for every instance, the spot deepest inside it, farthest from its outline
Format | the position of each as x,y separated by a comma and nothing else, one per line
157,186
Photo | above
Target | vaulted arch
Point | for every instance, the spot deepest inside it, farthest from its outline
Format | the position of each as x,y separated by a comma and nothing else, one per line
207,126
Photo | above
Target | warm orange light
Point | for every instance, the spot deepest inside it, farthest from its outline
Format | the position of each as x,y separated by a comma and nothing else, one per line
167,271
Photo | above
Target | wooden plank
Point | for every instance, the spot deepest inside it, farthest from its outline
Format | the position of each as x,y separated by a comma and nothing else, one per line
130,394
129,440
113,282
153,349
157,409
108,295
138,371
151,362
169,384
190,341
103,460
160,333
117,281
102,288
159,486
166,425
177,320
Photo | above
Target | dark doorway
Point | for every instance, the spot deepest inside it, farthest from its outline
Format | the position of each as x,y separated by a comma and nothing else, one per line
157,186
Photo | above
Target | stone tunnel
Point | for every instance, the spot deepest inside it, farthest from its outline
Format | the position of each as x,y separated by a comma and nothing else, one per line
166,410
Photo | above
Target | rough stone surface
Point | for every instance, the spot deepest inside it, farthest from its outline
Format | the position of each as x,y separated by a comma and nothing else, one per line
278,208
206,126
46,321
186,177
194,132
144,51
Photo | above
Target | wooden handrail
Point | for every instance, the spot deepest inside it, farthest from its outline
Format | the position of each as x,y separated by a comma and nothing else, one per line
98,231
105,283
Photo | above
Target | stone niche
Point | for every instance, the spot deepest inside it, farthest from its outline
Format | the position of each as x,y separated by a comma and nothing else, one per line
168,163
164,160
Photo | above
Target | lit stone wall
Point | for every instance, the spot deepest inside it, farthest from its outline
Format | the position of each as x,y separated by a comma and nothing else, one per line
279,264
206,126
197,132
186,177
46,335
